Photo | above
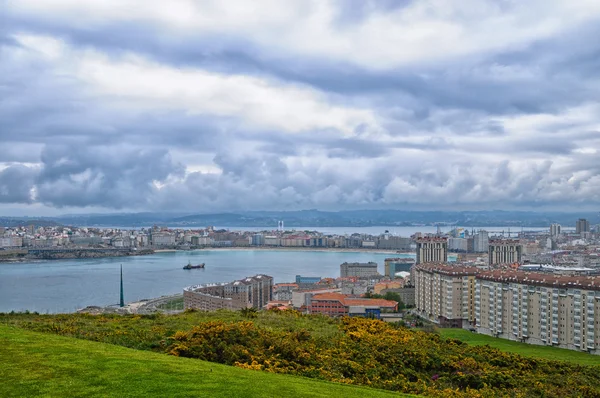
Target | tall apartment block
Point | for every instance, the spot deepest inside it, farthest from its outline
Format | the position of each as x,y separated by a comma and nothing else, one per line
541,309
534,308
445,294
505,251
582,226
432,249
554,230
358,269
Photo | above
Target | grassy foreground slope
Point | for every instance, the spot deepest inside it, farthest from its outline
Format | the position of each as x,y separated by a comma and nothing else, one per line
527,350
37,364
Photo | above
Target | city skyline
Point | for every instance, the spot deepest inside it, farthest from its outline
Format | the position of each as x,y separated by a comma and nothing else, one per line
213,107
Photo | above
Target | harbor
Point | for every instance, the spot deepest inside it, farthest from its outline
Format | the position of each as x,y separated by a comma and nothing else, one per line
70,285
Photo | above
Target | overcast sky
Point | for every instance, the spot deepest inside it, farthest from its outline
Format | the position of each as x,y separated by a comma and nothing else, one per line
131,105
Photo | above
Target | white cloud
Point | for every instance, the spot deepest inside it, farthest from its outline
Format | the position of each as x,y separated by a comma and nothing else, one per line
419,32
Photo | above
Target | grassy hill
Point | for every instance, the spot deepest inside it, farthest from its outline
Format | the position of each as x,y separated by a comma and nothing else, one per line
354,351
37,364
527,350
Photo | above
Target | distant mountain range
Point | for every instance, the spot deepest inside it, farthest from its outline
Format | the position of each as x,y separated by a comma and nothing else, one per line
314,218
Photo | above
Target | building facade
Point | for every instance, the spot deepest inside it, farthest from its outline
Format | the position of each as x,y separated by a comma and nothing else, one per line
251,292
393,265
554,230
445,294
543,309
582,226
505,251
336,304
432,250
358,269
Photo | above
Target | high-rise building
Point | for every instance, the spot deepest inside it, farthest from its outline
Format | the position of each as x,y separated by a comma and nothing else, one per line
481,242
505,251
582,226
554,230
432,249
445,294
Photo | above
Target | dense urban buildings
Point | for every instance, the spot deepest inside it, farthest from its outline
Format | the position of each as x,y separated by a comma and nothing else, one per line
432,249
251,292
535,308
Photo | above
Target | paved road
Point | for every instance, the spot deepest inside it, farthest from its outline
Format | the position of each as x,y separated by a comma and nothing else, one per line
151,306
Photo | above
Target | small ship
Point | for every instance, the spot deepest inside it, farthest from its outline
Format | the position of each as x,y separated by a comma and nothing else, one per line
190,266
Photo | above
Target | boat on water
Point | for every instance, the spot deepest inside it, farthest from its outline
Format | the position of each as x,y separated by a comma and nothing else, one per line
190,266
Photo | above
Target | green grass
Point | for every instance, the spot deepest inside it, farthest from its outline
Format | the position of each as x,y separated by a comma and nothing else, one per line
37,364
528,350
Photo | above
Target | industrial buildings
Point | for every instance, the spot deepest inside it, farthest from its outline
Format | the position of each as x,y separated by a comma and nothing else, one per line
251,292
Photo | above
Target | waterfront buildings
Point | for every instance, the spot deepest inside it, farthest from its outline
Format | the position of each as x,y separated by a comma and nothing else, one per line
358,269
505,251
251,292
432,249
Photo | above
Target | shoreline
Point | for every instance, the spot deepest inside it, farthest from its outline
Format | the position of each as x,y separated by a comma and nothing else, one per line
310,249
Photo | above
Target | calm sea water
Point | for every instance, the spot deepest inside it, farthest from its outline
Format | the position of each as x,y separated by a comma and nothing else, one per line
65,286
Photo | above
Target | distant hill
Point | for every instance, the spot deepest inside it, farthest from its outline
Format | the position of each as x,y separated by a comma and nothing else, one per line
317,218
19,222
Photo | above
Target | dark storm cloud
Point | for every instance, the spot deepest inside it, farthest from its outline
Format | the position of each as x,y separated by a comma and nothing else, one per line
16,183
102,176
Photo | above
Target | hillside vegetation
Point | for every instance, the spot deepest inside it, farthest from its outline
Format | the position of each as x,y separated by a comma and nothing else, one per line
351,350
34,364
527,350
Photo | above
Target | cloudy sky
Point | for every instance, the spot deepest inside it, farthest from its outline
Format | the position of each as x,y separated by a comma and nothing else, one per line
131,105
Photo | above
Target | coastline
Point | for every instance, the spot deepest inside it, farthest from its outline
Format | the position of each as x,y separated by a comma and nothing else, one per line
308,249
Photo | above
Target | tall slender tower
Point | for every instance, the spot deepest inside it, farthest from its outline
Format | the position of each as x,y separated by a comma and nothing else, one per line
122,301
